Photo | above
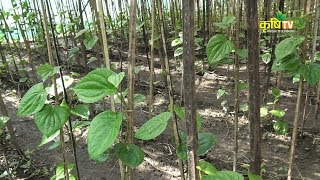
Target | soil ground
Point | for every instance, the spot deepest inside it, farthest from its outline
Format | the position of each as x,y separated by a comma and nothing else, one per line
160,160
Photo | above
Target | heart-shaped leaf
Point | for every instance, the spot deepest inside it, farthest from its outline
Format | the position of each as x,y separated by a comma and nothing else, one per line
130,154
103,131
50,119
33,101
218,48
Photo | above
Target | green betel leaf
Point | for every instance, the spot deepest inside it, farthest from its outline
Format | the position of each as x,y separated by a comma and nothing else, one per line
176,42
277,113
116,79
276,92
182,151
90,41
46,70
102,157
253,176
281,127
103,131
287,46
81,110
206,141
80,33
223,175
218,47
130,154
206,167
178,52
310,72
154,127
33,101
50,119
95,85
263,111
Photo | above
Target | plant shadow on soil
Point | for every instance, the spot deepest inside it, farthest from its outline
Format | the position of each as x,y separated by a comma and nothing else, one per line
160,160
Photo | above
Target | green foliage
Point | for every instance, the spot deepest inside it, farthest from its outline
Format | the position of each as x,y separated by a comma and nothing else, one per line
310,72
254,177
60,172
220,93
95,85
102,157
266,58
154,127
287,46
298,22
46,139
81,110
206,141
103,131
130,154
206,167
226,22
243,53
280,16
263,112
281,127
46,70
218,48
180,111
67,81
277,113
223,175
90,41
33,101
50,119
3,121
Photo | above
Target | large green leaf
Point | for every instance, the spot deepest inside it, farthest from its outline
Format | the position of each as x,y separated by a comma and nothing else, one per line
218,47
287,46
310,72
103,131
130,154
33,101
206,141
154,127
224,175
46,70
50,119
95,85
90,41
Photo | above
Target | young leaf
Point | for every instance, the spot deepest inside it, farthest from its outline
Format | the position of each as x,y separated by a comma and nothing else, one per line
276,92
266,58
130,154
46,70
95,85
206,141
81,110
263,111
33,101
281,127
277,113
90,41
220,93
287,46
154,127
223,175
218,47
50,119
206,167
103,131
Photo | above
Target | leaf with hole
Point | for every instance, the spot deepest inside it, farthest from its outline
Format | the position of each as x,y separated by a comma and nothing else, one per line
154,127
33,101
130,154
51,118
103,131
